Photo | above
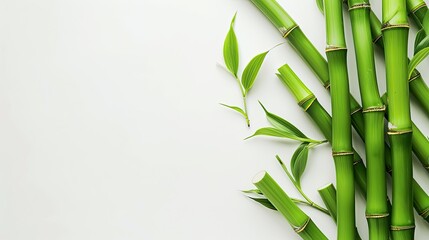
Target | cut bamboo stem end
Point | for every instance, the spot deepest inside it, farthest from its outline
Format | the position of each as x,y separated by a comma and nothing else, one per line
299,221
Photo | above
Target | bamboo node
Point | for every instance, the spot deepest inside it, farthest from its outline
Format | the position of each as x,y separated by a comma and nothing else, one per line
399,132
387,25
414,77
309,105
424,213
377,38
356,110
358,6
401,228
286,31
416,8
302,228
338,154
377,216
374,109
330,48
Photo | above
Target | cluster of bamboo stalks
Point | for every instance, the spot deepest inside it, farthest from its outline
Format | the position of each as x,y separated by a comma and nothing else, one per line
393,154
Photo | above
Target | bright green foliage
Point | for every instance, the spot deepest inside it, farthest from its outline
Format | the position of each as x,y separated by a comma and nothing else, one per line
416,60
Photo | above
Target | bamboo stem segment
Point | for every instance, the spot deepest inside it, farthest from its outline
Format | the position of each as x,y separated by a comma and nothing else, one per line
377,211
342,151
300,222
395,34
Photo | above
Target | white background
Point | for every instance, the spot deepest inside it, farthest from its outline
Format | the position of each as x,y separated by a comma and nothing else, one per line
110,126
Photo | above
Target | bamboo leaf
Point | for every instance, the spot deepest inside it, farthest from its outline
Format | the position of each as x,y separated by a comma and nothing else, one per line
235,108
299,162
274,132
230,49
424,43
417,59
320,5
264,202
281,123
252,70
254,191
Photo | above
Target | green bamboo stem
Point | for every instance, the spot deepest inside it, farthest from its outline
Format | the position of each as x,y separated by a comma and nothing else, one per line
321,117
312,57
342,151
329,197
417,85
377,211
300,222
420,143
395,34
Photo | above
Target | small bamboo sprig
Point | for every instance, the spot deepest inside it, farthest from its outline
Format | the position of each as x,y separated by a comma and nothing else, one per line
250,72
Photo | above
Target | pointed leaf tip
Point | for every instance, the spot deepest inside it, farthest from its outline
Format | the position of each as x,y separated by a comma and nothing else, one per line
299,162
251,71
282,124
416,60
230,49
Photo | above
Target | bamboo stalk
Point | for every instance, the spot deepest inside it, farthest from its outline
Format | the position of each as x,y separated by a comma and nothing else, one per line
323,120
417,10
395,34
300,222
420,143
377,211
342,152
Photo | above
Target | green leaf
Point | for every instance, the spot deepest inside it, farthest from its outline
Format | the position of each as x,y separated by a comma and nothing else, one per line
230,49
424,43
274,132
235,108
299,162
417,59
251,71
265,202
320,5
281,123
